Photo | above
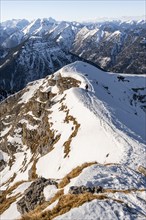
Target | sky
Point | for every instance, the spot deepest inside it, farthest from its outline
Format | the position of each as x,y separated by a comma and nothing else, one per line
76,10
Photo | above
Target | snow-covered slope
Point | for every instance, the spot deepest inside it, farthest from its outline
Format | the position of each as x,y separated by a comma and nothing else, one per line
11,32
39,26
15,23
89,143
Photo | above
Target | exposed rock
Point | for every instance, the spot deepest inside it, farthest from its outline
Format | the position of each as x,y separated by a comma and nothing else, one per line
142,170
84,189
2,164
34,196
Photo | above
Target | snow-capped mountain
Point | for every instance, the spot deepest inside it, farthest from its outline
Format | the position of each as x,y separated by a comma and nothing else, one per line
110,44
39,26
13,40
73,147
15,23
33,59
114,46
10,29
31,50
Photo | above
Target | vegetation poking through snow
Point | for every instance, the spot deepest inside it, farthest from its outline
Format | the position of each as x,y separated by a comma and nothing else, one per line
74,173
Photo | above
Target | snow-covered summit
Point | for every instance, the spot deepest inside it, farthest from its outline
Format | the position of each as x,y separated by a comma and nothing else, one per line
15,23
78,130
39,26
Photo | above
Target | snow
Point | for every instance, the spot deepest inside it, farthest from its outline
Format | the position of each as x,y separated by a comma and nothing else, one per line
15,53
111,132
5,131
59,28
31,114
54,89
15,139
11,212
35,37
104,61
28,126
7,61
49,192
97,209
21,188
133,200
105,131
3,156
50,207
39,27
16,167
114,35
119,102
117,177
31,90
90,33
143,41
32,27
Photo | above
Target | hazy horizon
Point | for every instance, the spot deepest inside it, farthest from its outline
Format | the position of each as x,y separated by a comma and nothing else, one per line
98,19
71,10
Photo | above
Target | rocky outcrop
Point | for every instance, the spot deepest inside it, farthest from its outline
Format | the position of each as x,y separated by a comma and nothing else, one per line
2,165
142,170
84,189
34,196
64,83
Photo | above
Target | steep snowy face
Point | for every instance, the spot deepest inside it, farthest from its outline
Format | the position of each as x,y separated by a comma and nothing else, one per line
39,26
64,33
33,59
18,23
13,40
11,32
34,52
112,45
84,38
71,138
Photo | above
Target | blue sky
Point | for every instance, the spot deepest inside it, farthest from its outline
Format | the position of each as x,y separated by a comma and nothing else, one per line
70,10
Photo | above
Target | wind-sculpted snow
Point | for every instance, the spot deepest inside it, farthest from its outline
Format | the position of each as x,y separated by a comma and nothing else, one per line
109,176
60,131
103,210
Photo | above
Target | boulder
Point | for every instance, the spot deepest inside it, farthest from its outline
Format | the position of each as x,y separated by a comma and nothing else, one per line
34,196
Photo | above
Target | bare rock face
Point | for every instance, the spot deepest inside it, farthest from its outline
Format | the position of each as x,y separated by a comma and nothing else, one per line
33,196
2,164
85,189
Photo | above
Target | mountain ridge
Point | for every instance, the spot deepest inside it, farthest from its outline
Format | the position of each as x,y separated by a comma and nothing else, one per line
65,145
109,45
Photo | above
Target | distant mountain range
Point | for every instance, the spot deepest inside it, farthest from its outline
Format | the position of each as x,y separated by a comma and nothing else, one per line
120,18
32,50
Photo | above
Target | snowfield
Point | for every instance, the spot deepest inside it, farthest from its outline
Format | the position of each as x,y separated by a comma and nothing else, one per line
104,124
102,210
